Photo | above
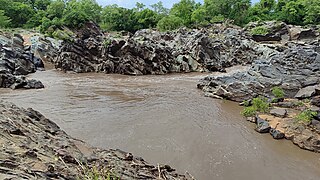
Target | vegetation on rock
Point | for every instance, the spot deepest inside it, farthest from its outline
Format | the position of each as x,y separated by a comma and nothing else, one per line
306,116
259,104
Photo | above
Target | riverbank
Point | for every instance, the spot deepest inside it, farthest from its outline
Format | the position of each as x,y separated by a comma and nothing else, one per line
34,147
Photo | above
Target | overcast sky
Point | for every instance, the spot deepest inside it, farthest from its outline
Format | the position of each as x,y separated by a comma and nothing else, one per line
131,3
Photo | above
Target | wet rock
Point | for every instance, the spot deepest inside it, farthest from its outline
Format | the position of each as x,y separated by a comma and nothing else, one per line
252,119
279,112
276,134
262,125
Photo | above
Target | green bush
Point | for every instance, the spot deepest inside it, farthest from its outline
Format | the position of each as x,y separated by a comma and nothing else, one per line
170,23
249,111
306,116
259,30
259,104
277,92
64,35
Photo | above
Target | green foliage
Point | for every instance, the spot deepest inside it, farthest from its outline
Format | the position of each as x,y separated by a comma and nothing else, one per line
4,20
65,35
52,14
259,104
249,111
278,92
95,173
306,116
184,10
259,30
169,23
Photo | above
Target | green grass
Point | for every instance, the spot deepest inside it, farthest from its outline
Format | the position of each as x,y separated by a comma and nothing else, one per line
259,104
95,172
259,30
249,111
306,116
277,92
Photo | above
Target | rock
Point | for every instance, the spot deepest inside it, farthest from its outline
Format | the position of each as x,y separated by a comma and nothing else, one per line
17,60
279,112
298,33
262,125
315,122
33,147
252,119
276,134
285,69
315,101
307,92
268,37
152,52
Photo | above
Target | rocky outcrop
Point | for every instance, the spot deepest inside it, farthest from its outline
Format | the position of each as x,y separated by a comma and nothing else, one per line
154,52
16,61
33,147
290,67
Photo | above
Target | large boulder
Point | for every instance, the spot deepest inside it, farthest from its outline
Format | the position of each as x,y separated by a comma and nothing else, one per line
308,92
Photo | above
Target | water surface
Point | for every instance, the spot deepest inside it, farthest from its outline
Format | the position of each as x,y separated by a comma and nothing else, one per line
165,119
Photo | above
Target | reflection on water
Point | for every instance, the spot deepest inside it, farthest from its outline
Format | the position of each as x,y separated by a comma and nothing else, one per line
165,119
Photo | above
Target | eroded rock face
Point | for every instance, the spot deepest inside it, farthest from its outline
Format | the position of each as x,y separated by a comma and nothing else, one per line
290,67
153,52
33,147
16,61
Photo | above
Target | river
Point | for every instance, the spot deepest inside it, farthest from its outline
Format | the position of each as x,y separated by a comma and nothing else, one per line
165,119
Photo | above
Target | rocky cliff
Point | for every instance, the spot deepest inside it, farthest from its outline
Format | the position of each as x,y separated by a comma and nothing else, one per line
16,61
154,52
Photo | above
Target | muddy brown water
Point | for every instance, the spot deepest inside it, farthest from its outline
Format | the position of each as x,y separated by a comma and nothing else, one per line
165,119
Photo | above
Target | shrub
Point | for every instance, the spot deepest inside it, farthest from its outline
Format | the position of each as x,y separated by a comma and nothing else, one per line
261,104
277,92
170,23
64,35
306,116
249,111
259,30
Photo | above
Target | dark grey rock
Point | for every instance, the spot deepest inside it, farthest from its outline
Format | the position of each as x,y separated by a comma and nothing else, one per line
262,125
276,134
315,101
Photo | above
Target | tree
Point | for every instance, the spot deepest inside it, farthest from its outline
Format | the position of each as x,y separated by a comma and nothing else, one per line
170,22
183,10
159,8
4,20
145,19
229,9
198,17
